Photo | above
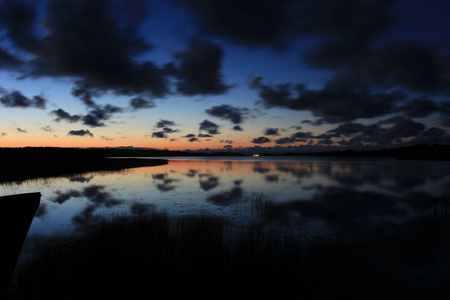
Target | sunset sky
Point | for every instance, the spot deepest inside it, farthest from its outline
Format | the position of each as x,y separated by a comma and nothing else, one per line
224,74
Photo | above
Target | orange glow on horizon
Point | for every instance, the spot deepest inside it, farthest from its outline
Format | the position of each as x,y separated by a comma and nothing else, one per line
86,142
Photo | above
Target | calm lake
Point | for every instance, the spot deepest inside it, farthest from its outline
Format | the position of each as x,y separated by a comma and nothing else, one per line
319,194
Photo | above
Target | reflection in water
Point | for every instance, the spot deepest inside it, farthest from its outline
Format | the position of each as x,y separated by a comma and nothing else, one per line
339,194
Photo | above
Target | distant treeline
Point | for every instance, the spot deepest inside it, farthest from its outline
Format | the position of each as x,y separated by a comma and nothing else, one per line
56,152
423,151
416,152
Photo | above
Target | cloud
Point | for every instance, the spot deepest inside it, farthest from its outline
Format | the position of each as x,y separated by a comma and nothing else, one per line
298,136
18,20
22,130
47,128
350,23
164,124
407,64
260,140
197,69
8,61
159,134
252,23
85,95
209,126
237,128
97,115
385,132
227,112
344,30
226,141
285,140
63,115
341,99
271,131
80,133
94,118
419,107
140,103
17,99
101,59
191,137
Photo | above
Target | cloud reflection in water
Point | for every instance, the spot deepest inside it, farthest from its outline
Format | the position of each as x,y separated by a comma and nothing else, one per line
342,194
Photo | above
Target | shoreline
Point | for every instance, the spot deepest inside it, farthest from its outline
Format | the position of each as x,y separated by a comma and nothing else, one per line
15,169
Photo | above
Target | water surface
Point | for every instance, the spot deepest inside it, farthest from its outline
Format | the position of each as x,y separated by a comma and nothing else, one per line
319,194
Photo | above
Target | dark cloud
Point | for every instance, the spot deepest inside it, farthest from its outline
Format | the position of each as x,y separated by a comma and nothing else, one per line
389,131
85,95
47,128
299,136
226,141
165,123
252,23
260,140
419,107
237,128
285,140
96,116
80,133
401,127
191,137
228,112
63,115
159,134
343,28
140,102
347,129
271,131
302,135
406,64
93,41
8,61
17,99
341,99
197,69
18,20
22,130
209,127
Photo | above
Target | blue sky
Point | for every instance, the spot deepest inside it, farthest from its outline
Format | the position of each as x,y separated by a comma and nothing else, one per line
295,75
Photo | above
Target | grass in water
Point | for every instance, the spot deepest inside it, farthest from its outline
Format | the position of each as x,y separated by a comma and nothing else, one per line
140,255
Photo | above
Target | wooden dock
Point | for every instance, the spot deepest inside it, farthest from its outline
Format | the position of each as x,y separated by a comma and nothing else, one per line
17,213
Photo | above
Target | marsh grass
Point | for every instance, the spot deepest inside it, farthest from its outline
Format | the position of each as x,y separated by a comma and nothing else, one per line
137,256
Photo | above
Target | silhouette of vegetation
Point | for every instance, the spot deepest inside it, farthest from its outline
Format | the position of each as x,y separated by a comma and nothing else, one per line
416,152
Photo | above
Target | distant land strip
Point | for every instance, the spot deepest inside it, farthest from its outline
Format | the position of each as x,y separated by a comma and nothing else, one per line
16,169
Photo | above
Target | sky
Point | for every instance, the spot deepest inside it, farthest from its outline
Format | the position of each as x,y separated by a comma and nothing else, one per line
241,75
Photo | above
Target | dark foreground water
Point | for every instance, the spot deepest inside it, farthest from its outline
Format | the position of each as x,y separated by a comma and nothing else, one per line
320,194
